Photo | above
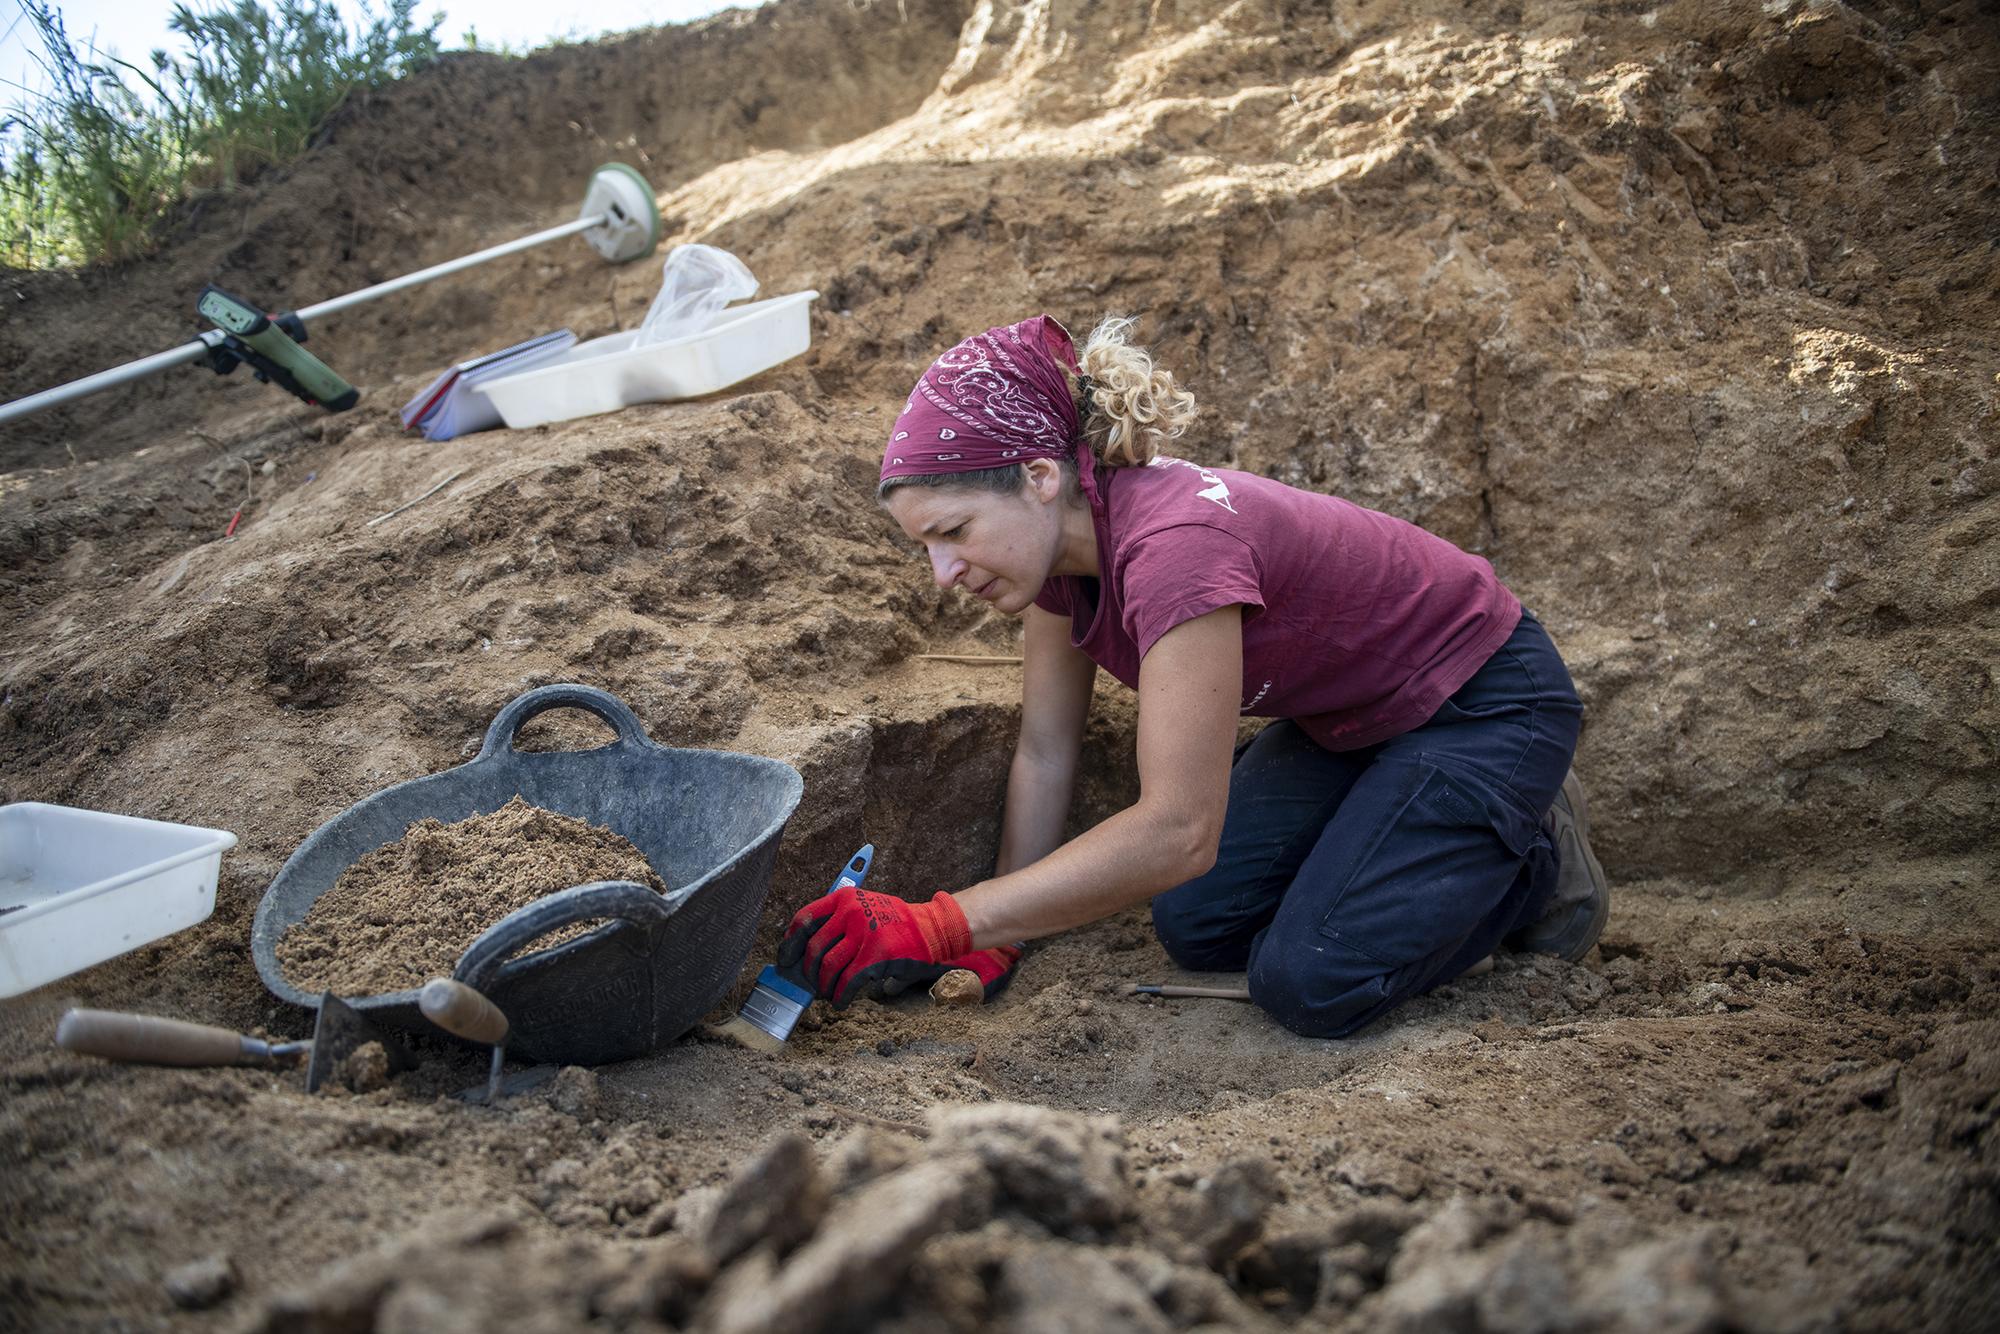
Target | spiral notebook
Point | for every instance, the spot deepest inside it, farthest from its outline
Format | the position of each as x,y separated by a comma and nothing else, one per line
453,405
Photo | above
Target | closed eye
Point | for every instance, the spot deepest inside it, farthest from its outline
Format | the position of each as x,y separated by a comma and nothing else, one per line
953,534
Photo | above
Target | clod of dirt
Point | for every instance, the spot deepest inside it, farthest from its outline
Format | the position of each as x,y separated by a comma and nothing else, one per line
959,988
1058,1287
1190,1296
694,1210
778,1199
1225,1213
865,1154
665,1284
1674,1281
404,913
864,1250
575,1092
615,1180
1473,1267
450,1274
202,1284
1328,1263
1067,1171
362,1070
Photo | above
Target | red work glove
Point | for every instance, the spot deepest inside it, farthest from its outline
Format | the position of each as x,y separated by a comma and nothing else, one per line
856,941
995,966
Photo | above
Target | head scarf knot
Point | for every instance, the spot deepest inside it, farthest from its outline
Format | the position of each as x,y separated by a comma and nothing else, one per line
997,398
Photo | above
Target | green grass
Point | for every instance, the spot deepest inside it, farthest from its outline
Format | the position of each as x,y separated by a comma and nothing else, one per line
91,171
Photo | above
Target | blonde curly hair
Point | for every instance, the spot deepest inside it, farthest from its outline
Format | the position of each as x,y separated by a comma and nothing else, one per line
1131,405
1127,408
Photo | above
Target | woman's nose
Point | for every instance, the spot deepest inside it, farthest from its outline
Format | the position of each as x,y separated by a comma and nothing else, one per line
945,567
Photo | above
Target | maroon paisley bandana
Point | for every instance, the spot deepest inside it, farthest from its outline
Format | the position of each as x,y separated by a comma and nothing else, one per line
997,398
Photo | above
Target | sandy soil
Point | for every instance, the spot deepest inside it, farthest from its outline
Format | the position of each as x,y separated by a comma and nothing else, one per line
407,911
1685,317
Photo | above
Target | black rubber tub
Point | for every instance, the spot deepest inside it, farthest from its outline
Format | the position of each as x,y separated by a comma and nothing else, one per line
709,822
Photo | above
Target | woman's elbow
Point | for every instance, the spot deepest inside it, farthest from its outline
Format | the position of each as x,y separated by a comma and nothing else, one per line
1192,840
1201,862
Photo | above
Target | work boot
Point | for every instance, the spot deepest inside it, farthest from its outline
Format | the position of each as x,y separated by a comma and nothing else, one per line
1582,898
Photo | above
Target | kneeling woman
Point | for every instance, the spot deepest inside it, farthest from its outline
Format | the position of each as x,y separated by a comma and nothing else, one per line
1407,813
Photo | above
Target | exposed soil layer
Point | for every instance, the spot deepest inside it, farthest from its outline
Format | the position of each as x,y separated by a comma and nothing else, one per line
404,913
1682,315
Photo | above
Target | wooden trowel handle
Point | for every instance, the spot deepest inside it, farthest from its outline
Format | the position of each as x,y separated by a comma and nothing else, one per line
152,1041
459,1010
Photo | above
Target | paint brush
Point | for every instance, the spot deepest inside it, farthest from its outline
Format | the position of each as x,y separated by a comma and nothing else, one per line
780,997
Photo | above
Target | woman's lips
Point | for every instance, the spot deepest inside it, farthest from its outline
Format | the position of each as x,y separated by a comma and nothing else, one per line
982,589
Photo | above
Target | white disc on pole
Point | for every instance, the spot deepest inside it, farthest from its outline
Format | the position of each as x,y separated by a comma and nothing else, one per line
631,226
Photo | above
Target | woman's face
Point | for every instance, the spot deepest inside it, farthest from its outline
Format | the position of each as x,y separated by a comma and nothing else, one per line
998,548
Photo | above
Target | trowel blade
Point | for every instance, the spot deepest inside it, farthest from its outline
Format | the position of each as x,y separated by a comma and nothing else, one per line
519,1082
339,1032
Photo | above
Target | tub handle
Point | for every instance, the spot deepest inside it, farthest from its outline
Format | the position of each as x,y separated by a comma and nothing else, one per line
507,724
624,899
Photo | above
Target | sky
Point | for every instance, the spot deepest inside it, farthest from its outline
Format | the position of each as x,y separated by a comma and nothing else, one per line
132,29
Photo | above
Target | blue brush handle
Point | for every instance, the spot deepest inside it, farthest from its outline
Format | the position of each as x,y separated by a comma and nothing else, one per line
856,869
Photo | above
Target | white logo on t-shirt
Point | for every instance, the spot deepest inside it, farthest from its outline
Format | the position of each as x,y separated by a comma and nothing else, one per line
1217,490
1257,698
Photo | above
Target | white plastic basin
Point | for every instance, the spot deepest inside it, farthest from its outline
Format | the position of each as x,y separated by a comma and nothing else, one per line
78,887
606,374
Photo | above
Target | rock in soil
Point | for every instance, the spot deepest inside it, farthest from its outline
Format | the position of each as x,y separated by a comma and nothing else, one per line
362,1070
574,1092
959,988
202,1284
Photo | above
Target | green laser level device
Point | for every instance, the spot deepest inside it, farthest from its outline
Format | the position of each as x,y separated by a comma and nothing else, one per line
270,344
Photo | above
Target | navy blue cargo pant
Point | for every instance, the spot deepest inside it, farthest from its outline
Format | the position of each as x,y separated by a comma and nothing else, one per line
1349,881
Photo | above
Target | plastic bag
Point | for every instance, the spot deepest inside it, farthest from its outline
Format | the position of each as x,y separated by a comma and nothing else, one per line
699,280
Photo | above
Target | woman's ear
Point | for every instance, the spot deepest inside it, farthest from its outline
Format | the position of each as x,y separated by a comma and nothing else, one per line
1044,479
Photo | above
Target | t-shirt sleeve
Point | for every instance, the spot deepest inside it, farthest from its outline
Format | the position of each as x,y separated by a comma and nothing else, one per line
1175,574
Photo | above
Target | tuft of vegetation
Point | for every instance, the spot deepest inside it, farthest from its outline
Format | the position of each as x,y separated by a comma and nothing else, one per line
91,170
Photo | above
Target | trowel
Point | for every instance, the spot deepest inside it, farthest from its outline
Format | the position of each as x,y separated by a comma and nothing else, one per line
466,1013
342,1030
145,1039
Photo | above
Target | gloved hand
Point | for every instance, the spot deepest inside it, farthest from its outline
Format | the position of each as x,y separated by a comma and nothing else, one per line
855,941
995,967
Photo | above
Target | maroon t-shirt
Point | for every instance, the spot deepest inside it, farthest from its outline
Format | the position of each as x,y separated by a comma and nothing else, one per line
1356,624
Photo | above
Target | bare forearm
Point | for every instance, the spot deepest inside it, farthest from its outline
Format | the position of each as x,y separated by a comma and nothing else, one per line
1189,684
1132,856
1038,794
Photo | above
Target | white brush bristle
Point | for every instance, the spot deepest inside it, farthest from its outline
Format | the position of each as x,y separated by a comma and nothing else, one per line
746,1034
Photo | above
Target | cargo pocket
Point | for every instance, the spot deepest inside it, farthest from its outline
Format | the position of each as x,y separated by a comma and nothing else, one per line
1451,844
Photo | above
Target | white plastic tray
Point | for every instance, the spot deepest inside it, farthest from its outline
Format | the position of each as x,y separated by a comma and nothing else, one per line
606,374
85,886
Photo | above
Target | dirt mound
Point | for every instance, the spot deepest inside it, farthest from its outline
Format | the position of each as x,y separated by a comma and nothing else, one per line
1684,317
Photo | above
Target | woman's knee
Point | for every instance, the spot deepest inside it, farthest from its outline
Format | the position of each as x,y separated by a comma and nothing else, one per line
1196,936
1320,993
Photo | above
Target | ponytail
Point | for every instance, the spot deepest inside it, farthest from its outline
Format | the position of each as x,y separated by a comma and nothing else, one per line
1131,407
